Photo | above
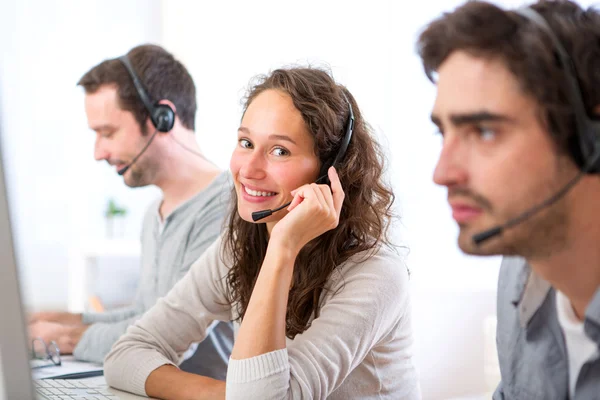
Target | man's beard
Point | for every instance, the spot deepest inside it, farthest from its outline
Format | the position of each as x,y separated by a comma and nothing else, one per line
140,175
535,237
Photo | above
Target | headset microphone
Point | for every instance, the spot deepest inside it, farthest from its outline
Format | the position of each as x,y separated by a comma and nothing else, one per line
481,237
588,130
126,168
258,215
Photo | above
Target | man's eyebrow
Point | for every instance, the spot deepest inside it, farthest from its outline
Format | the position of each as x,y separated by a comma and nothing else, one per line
103,127
477,117
436,120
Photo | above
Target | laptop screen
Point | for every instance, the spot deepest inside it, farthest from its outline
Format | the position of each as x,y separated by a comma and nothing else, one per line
15,381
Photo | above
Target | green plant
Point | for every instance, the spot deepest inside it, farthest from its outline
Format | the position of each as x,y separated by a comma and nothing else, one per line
113,210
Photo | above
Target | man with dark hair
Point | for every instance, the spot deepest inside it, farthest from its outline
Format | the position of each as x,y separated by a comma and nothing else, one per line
146,130
517,106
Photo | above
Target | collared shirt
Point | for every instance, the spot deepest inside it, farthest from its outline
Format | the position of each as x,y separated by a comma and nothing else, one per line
531,348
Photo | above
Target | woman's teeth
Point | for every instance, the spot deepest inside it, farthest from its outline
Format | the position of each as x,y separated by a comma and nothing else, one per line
258,193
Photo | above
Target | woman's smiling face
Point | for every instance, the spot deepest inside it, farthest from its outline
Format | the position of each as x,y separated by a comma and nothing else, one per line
275,154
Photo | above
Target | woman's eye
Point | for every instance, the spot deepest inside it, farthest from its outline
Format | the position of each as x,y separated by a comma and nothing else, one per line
245,143
279,151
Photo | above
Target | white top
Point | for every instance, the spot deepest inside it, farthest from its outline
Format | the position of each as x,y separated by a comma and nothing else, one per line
360,346
580,348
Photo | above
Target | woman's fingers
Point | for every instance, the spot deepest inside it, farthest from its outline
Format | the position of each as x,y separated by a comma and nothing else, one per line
304,192
327,198
320,196
296,200
326,202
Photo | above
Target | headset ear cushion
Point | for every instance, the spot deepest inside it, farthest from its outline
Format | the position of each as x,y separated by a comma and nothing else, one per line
574,147
584,148
163,117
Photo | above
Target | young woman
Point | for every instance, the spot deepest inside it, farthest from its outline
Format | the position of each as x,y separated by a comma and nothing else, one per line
320,296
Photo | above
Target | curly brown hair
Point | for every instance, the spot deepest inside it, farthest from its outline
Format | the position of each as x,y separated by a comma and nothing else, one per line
485,30
366,211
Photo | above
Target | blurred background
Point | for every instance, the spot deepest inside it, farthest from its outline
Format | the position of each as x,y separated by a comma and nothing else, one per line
67,247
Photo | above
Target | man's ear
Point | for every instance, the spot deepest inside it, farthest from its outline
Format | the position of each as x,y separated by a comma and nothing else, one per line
149,127
170,104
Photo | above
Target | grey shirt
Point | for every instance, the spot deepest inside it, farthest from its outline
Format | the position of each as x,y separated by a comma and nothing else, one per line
167,254
531,348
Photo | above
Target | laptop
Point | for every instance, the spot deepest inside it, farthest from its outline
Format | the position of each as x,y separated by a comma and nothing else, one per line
16,382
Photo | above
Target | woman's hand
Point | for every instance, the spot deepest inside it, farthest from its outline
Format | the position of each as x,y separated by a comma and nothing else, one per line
315,210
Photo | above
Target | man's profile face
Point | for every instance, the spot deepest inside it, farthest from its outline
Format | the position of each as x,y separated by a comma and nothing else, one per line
119,137
497,158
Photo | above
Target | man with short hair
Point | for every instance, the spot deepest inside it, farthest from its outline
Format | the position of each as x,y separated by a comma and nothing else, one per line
142,107
517,106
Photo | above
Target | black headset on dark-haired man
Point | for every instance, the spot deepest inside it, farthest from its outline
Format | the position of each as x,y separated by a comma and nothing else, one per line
588,130
161,115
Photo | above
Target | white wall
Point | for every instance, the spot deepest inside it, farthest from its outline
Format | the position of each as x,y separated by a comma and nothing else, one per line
58,192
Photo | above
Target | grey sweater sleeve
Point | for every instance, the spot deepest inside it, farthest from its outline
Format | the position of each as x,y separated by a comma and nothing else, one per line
107,327
166,331
98,339
116,315
366,306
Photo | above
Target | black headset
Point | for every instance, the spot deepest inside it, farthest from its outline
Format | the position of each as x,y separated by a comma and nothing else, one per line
161,115
323,175
588,129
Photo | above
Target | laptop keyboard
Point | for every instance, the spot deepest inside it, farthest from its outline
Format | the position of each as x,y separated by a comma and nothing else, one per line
60,389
